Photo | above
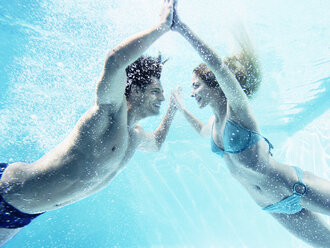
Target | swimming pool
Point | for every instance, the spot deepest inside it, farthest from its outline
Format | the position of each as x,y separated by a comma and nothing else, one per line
52,54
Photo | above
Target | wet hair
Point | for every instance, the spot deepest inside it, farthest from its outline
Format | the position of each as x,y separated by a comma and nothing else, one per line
204,73
139,73
245,68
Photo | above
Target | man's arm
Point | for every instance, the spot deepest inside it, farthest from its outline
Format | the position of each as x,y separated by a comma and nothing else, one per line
153,142
111,86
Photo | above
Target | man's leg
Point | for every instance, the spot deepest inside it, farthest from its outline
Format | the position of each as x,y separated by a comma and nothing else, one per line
7,234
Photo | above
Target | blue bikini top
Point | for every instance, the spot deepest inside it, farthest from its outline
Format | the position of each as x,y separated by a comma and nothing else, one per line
236,139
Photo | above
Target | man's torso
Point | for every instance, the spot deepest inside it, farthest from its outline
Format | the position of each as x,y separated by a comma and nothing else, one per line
85,162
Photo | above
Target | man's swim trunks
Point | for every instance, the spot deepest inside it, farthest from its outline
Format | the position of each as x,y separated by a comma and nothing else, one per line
11,217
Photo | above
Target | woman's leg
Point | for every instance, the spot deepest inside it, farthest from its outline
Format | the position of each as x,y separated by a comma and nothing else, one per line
307,226
317,197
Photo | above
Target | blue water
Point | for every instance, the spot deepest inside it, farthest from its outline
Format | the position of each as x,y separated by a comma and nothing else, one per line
51,55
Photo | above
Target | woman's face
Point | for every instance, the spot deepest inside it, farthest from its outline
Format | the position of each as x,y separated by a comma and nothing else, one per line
200,91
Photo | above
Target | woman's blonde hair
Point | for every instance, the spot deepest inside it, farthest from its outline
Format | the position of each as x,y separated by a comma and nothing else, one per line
244,66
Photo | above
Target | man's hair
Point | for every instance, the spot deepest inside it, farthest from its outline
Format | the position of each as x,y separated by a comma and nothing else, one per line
141,70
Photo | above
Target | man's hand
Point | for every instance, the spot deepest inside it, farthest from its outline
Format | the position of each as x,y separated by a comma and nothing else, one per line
166,15
177,98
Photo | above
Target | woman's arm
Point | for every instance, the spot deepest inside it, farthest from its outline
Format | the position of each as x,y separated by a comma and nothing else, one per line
234,93
202,129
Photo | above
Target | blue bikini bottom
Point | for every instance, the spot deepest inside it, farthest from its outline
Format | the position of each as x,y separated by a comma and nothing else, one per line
290,204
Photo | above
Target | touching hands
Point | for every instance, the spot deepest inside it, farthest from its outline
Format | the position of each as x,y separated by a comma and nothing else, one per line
166,15
176,23
177,98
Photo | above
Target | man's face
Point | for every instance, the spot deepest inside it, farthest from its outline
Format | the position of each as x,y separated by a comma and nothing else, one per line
152,97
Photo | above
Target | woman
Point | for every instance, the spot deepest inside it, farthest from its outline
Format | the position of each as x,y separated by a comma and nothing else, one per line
290,195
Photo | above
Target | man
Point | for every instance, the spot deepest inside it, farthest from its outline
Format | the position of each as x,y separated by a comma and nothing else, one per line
102,141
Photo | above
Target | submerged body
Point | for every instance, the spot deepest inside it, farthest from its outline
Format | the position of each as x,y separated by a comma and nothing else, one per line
260,175
291,196
254,167
103,140
87,159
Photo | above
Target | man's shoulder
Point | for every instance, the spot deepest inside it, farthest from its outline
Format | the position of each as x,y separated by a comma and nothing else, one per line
106,114
110,108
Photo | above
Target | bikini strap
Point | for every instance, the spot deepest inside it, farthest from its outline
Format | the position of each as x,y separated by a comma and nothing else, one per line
300,183
271,147
299,172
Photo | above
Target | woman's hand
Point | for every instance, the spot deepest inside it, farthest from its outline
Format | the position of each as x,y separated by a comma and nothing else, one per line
176,23
166,15
177,98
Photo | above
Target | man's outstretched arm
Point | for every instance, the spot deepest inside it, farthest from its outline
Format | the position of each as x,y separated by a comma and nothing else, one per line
111,86
152,142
